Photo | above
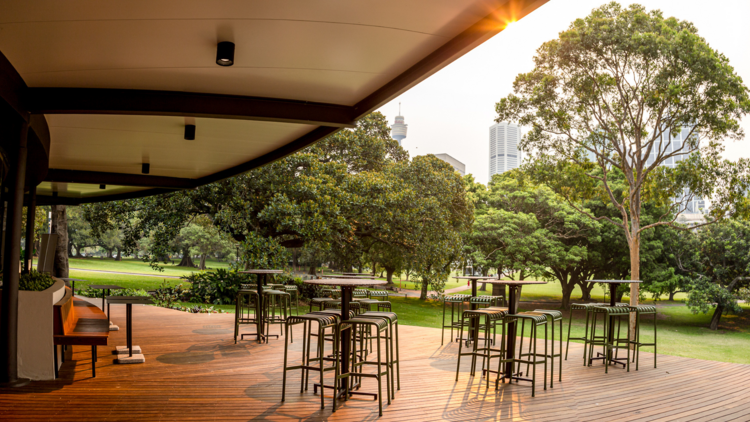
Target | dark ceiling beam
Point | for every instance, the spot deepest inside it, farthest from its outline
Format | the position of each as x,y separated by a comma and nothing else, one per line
12,87
456,47
172,103
72,201
119,179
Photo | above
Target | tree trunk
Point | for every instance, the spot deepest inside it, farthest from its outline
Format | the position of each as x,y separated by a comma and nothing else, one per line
567,291
109,253
716,317
635,271
60,227
119,255
499,290
202,265
313,270
586,289
483,287
423,293
389,274
186,260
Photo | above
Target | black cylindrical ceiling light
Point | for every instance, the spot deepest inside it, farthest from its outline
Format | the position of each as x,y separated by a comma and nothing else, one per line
189,132
225,53
145,168
102,186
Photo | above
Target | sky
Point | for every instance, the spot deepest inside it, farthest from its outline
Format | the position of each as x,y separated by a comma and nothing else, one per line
451,111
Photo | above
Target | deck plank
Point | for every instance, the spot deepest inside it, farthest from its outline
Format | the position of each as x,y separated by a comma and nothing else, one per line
194,371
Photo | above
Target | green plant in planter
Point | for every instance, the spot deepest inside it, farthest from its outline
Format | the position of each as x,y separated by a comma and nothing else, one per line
35,281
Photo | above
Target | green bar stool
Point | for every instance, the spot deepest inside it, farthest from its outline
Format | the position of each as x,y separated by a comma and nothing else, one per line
380,328
294,293
276,300
395,360
358,294
642,310
320,302
324,322
471,317
532,357
332,292
586,308
552,317
615,314
246,311
456,301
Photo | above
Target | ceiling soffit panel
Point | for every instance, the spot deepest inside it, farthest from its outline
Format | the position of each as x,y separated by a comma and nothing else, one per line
120,144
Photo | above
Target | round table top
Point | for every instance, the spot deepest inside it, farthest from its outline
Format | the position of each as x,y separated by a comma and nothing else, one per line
106,287
515,282
473,277
71,279
344,282
613,281
262,272
351,277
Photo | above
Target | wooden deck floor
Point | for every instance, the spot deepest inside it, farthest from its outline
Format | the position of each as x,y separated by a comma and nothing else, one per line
194,371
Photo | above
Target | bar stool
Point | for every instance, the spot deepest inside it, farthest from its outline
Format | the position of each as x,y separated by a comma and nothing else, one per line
276,300
552,317
358,294
642,310
586,307
490,316
325,322
246,311
294,293
380,326
320,302
374,297
393,343
532,357
455,301
608,313
332,292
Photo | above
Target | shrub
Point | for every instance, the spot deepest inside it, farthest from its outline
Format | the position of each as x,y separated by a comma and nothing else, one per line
218,287
166,296
34,281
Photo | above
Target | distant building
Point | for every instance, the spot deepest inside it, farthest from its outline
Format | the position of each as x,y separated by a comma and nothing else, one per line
504,152
673,142
398,130
457,165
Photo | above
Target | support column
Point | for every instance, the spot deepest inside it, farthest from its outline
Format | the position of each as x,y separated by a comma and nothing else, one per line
9,316
30,222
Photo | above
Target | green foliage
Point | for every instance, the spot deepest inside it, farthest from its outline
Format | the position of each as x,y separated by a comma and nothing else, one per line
716,260
218,287
168,296
257,252
35,281
97,293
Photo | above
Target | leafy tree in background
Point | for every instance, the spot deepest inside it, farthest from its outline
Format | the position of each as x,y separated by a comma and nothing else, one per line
613,86
716,260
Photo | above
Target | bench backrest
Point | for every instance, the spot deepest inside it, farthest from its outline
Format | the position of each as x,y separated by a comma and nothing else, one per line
65,318
378,293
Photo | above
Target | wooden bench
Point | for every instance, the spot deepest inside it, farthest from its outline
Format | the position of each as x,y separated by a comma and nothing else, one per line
79,323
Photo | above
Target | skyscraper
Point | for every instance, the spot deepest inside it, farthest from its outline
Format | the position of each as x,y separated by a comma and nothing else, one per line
398,130
504,152
457,165
673,142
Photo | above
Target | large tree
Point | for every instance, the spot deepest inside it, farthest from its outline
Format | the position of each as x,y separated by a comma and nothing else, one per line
612,89
716,261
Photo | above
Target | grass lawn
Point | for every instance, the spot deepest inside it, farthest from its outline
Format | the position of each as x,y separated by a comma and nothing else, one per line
123,280
132,265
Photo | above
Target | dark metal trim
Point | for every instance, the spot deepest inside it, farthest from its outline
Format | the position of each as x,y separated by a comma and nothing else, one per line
173,103
72,201
119,179
12,87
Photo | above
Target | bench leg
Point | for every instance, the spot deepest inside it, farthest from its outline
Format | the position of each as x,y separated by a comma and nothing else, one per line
93,361
55,353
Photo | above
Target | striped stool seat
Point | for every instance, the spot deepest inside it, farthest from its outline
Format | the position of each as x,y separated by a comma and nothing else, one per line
457,298
644,309
537,319
319,301
612,310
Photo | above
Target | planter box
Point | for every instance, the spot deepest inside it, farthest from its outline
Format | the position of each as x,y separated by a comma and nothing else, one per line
35,347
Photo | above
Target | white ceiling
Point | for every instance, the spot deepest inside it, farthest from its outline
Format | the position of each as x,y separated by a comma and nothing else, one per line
328,51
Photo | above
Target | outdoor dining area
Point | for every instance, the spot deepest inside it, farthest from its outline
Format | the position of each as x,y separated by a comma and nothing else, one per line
193,369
